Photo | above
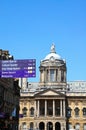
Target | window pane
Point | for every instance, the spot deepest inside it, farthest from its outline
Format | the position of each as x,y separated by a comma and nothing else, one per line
84,111
77,127
84,126
31,125
32,111
52,78
68,112
24,126
76,111
70,126
24,110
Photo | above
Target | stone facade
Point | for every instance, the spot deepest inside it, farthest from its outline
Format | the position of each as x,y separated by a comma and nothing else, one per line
76,98
52,103
9,98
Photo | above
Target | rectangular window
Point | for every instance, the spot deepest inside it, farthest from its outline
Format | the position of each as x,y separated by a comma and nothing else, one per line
52,77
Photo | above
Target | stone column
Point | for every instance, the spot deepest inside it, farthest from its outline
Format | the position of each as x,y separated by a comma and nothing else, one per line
53,126
45,126
35,125
44,76
49,74
62,126
45,108
53,108
35,111
55,74
59,75
81,126
38,109
65,76
61,108
64,108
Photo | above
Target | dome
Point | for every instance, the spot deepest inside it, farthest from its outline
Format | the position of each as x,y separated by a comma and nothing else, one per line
52,55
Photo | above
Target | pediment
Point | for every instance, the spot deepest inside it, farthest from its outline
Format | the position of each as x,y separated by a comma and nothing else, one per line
50,92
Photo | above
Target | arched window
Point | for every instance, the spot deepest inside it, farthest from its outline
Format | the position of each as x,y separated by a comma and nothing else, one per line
76,111
69,112
32,111
70,126
24,111
77,126
84,126
24,126
84,111
31,126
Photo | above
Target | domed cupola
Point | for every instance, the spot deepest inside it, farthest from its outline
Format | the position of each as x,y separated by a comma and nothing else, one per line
52,69
52,54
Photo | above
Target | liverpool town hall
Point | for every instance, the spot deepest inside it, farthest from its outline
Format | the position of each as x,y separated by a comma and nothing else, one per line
53,103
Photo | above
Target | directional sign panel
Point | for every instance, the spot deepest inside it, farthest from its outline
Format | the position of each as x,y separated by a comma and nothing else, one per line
18,68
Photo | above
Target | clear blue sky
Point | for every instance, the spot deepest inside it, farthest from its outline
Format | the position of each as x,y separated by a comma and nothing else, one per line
29,27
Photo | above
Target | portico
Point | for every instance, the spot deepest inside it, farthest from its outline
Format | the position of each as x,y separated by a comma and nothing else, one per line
50,107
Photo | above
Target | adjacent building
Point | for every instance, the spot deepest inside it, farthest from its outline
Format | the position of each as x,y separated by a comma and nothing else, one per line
9,98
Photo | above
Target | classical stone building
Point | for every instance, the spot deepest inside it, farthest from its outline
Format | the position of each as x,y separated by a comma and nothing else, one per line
52,103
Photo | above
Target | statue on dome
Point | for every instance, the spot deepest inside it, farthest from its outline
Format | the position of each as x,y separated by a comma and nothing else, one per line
53,48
